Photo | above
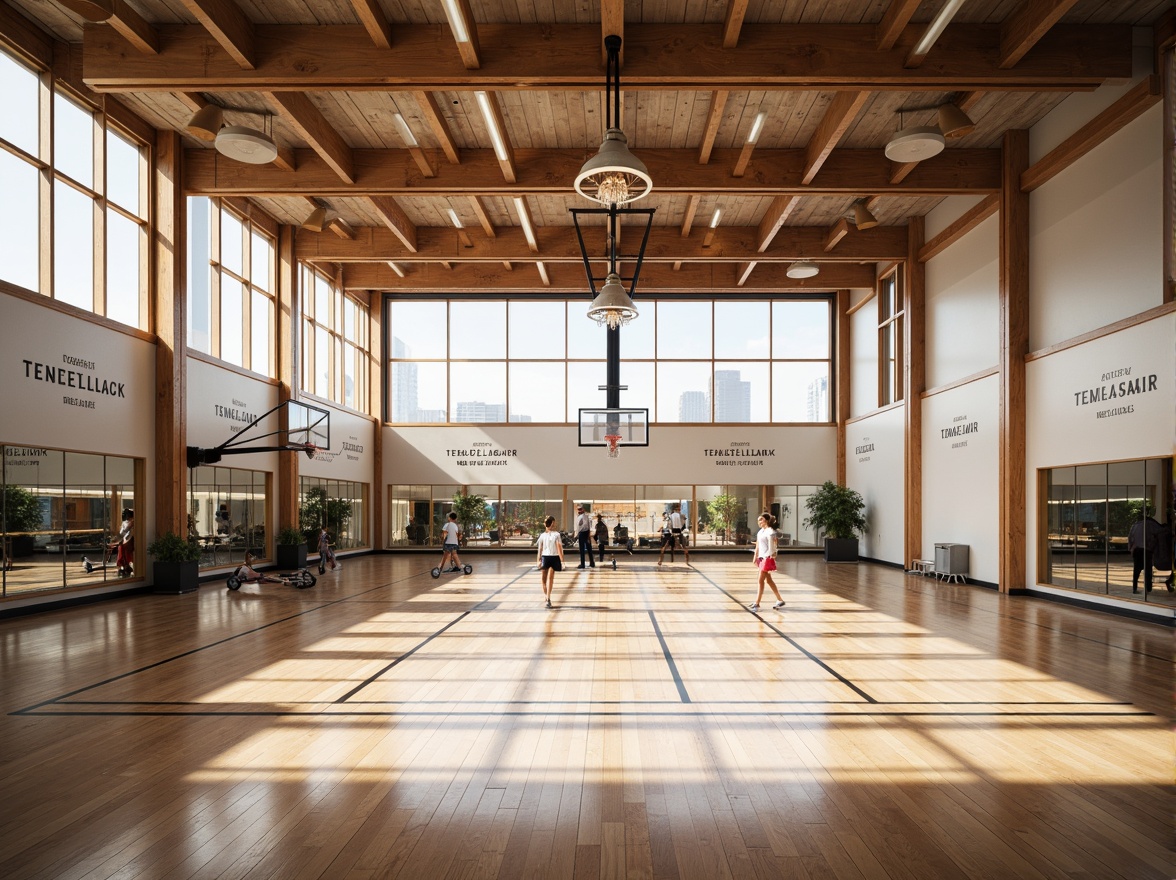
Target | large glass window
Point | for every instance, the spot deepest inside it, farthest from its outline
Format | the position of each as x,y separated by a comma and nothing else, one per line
335,342
228,510
231,310
1104,523
62,518
890,342
699,361
91,214
338,505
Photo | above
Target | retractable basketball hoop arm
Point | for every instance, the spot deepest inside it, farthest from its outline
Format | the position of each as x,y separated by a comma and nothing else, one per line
613,387
198,455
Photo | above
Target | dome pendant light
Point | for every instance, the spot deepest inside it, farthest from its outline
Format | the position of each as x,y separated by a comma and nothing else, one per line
614,176
612,306
914,144
246,144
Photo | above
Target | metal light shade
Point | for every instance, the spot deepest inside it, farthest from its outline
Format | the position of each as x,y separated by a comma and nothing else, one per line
246,144
206,122
802,269
915,144
316,220
612,305
90,10
614,175
954,122
862,217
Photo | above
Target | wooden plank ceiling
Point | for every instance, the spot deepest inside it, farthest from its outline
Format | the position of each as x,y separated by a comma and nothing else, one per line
329,79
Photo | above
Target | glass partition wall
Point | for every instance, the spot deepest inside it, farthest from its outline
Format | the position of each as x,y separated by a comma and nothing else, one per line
60,515
718,516
227,514
1089,513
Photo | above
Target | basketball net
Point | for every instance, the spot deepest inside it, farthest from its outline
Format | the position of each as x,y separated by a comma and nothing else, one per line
613,440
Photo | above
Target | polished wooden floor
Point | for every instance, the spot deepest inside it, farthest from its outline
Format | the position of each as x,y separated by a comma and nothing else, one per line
386,724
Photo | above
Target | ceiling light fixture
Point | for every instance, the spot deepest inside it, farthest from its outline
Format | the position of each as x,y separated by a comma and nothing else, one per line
456,21
757,127
454,219
404,131
246,144
863,218
492,123
316,220
614,176
715,217
936,27
802,269
525,220
914,144
954,122
206,122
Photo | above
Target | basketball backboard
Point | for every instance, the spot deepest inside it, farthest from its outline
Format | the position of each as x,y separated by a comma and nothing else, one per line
306,424
630,425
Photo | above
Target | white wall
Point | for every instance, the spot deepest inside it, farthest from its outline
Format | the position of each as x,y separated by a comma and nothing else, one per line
351,456
963,306
874,466
1096,247
533,454
221,403
1073,420
960,473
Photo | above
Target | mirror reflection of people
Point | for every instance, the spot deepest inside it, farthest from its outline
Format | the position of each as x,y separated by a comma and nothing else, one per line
1142,540
223,520
125,545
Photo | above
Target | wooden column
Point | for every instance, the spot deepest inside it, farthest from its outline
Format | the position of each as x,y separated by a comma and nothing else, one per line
844,364
914,383
375,408
1167,73
1014,345
288,360
170,316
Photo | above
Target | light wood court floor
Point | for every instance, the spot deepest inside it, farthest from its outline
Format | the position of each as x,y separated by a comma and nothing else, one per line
385,724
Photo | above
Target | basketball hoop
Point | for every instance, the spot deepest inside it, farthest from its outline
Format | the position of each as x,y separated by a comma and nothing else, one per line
310,449
613,440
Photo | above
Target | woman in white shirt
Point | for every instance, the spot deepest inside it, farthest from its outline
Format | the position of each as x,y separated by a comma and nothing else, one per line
765,560
550,557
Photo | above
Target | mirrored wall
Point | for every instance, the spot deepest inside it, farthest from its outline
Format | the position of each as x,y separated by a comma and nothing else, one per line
228,511
340,505
62,518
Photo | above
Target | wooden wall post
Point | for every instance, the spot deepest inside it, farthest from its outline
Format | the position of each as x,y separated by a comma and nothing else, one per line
1014,346
375,408
170,316
914,383
844,366
287,356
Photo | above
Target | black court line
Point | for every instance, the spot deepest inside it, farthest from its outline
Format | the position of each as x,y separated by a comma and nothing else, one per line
588,713
682,694
239,635
359,687
813,657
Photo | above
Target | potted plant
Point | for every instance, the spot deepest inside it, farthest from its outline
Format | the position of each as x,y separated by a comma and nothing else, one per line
723,512
837,511
22,513
471,513
291,550
177,566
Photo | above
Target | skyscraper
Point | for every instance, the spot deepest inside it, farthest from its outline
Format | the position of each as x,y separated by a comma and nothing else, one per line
732,397
693,406
478,411
403,388
817,400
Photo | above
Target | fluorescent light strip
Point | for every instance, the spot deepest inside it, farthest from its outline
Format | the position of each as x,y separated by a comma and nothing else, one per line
941,21
528,231
455,219
715,217
456,21
405,132
757,127
492,124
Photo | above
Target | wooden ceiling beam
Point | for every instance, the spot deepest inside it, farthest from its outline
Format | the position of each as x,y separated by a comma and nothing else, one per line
773,219
551,172
483,217
134,28
839,115
229,27
896,17
714,118
372,17
612,23
301,114
1022,30
398,223
661,57
558,244
431,111
968,221
733,22
568,278
496,127
465,32
691,210
835,234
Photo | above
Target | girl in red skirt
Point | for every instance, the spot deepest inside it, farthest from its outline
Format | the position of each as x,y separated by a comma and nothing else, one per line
765,560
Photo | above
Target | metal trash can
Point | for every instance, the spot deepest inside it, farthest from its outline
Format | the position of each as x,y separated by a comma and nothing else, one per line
951,559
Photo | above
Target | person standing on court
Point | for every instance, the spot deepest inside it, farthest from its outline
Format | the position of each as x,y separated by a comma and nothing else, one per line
765,560
549,547
583,530
677,524
601,535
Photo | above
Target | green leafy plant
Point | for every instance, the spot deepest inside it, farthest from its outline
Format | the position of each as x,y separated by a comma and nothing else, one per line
170,547
290,535
318,510
471,511
723,513
22,511
837,511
